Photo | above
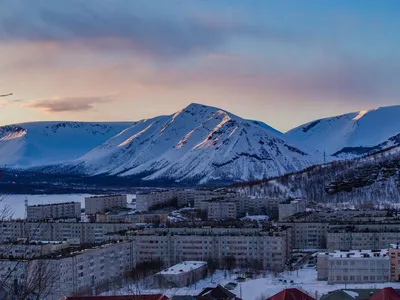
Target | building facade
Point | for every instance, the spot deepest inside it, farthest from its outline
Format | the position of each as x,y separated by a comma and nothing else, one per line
356,266
75,271
268,249
102,204
54,211
221,210
291,207
71,232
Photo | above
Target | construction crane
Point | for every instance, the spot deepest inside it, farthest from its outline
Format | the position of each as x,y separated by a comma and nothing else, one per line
5,95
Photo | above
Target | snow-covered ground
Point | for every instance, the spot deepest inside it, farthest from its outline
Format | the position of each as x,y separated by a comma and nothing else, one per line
17,202
262,288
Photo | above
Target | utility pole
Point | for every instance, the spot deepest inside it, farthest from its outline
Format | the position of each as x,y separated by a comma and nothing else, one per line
324,157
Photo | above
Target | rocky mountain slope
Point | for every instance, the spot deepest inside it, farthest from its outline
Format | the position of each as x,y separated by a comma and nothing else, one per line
38,143
374,178
200,144
351,135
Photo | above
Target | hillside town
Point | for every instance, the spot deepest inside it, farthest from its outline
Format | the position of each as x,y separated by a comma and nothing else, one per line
168,240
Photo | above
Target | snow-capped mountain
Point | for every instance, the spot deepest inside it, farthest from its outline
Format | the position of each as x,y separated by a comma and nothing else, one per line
39,143
351,135
199,143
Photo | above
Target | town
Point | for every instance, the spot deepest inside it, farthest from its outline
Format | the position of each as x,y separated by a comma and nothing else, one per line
166,240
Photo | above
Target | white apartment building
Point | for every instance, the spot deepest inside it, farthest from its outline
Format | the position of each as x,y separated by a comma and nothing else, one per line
102,204
25,249
291,207
74,271
72,232
270,249
54,211
355,266
147,200
221,210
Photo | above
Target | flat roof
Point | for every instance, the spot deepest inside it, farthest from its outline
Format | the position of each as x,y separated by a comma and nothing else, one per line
359,253
183,267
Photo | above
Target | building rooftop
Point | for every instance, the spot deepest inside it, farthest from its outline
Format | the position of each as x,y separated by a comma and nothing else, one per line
54,204
358,253
183,267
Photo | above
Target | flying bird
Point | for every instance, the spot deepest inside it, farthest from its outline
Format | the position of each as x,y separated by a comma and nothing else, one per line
6,95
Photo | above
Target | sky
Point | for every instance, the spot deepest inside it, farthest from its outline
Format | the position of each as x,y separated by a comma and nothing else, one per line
281,62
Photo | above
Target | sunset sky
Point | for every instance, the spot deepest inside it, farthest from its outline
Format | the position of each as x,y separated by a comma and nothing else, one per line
281,62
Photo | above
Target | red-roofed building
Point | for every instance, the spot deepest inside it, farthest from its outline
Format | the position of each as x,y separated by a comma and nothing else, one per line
291,294
386,294
126,297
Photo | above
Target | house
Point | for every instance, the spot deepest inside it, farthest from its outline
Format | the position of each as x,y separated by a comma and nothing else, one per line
363,294
291,294
386,294
126,297
184,297
216,293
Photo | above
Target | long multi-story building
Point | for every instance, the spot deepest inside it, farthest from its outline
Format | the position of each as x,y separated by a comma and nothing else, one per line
270,248
221,210
72,232
54,211
328,229
291,207
363,236
102,204
71,271
355,266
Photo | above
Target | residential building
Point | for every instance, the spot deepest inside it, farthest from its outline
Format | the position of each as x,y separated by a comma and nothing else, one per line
71,232
394,253
268,248
181,275
218,292
291,294
54,211
146,201
30,249
363,294
221,210
291,207
78,270
102,204
355,266
121,297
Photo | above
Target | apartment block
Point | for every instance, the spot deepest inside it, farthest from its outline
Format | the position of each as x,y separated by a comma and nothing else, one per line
145,201
30,249
394,253
72,232
75,270
54,211
355,266
291,207
269,247
375,237
102,204
221,210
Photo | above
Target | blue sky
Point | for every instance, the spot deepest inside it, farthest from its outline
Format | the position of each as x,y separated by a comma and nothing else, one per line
281,62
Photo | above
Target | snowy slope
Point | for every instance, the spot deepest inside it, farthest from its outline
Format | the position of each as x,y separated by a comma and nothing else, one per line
199,143
38,143
351,135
